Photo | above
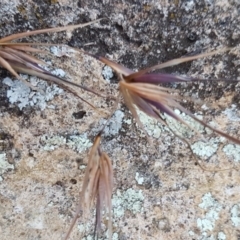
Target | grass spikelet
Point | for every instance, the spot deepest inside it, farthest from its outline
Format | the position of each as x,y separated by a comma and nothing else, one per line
97,188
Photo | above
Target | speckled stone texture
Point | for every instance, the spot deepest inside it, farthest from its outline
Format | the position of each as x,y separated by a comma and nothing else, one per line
159,192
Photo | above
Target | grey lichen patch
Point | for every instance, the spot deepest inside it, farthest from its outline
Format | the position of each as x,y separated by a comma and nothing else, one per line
23,96
8,8
205,149
131,200
107,73
182,129
233,113
232,151
188,6
36,221
4,165
76,142
113,125
60,51
164,225
235,215
213,208
151,125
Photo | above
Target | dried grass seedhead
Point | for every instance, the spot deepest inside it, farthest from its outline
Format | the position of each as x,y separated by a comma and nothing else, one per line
17,58
141,90
97,188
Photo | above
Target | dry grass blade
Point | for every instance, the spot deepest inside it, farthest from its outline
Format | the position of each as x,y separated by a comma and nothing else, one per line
47,30
175,62
16,59
140,90
97,184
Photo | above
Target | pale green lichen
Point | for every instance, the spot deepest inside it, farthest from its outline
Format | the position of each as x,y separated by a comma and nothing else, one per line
232,151
60,51
221,236
76,142
151,125
79,142
213,209
233,113
36,221
51,143
107,73
84,227
115,236
191,233
128,121
139,179
235,215
131,200
20,94
91,237
81,227
4,165
113,125
206,237
183,130
205,149
154,128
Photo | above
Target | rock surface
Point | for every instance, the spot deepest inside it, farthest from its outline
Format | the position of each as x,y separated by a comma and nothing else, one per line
45,138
